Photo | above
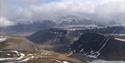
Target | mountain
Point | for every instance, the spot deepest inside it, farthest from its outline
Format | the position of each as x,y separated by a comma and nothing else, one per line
72,21
28,28
96,44
62,37
57,39
84,42
31,27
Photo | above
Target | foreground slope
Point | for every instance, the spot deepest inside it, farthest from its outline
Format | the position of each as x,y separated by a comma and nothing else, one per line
16,49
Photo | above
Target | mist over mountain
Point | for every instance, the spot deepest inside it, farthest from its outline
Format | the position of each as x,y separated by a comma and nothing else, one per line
105,12
25,28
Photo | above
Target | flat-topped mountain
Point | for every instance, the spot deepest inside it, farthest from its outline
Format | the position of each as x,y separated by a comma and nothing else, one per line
62,38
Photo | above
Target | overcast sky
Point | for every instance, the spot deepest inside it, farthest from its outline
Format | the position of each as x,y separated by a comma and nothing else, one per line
99,11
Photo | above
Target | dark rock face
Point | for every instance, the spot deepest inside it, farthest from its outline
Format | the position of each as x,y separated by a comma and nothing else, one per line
46,35
60,35
42,36
89,41
114,49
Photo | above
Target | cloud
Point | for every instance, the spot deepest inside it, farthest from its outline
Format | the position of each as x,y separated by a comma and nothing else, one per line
100,11
5,23
114,12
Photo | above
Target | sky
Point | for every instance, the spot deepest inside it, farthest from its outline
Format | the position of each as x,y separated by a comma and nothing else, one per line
106,12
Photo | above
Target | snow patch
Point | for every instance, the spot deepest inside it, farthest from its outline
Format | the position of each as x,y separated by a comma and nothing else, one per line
120,39
2,38
65,62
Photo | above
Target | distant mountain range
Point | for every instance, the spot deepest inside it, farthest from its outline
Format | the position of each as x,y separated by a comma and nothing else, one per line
28,27
31,27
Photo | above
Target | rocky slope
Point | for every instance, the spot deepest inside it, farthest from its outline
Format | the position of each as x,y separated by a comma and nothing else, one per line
57,39
16,43
104,47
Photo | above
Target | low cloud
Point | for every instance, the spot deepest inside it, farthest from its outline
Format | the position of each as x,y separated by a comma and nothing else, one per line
106,12
5,23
